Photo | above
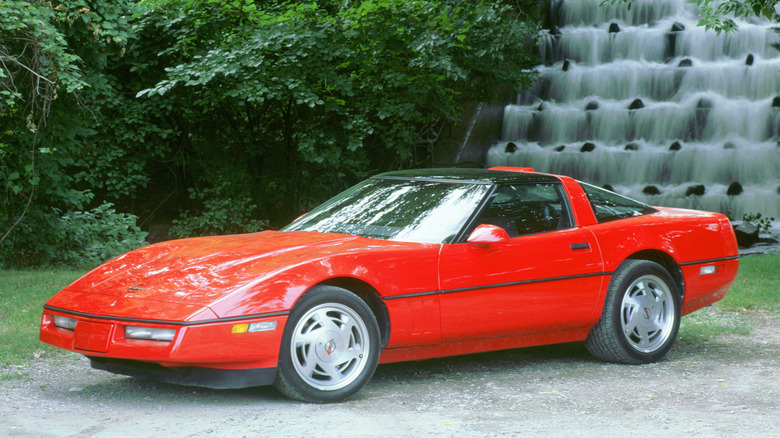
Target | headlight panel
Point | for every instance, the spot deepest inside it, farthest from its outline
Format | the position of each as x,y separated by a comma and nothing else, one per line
65,322
150,333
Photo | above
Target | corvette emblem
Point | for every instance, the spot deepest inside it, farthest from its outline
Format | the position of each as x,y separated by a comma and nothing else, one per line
330,346
647,313
136,288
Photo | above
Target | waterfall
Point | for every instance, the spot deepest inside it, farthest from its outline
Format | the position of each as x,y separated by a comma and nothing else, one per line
649,103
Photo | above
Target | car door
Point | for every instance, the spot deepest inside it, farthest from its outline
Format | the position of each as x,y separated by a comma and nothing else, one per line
547,277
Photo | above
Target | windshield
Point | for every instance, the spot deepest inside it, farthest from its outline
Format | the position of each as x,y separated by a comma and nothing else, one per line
404,210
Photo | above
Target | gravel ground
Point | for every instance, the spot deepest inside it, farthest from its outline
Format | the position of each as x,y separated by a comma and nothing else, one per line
727,386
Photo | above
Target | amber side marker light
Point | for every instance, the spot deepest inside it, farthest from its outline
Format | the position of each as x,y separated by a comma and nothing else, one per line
264,326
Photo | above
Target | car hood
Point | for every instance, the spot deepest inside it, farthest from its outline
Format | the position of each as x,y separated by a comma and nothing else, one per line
200,271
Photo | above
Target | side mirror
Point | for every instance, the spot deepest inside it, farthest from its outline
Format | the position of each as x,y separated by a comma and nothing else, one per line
485,234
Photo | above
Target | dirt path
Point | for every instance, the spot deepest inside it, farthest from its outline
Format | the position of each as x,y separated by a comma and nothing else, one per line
729,386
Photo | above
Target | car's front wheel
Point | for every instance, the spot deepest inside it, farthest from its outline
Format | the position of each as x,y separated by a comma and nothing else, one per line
330,346
641,315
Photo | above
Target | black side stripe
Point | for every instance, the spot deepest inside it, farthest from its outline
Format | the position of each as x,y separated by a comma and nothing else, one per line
497,285
540,280
159,321
702,262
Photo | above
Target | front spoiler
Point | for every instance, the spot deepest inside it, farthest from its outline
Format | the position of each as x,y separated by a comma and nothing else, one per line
187,376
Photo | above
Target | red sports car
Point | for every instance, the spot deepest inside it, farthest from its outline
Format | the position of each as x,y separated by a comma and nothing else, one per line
403,266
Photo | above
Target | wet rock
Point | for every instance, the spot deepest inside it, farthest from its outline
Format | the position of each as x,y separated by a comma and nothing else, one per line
676,146
510,148
559,148
729,145
776,102
704,104
566,65
671,41
636,104
734,189
749,60
540,107
631,147
695,190
651,190
614,28
608,187
588,147
699,120
592,105
556,31
685,63
747,234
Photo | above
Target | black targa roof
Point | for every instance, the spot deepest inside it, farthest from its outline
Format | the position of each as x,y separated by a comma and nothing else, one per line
481,176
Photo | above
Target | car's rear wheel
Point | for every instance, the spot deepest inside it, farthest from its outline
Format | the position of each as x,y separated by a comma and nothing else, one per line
641,315
330,346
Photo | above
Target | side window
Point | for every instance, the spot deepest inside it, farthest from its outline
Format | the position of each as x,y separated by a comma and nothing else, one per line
527,209
609,206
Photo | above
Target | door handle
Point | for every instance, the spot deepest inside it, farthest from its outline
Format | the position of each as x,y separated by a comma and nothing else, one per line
576,246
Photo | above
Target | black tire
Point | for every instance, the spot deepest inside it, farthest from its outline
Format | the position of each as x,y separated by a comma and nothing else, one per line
641,315
330,346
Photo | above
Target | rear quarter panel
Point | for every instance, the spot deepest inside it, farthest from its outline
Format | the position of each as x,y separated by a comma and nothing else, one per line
693,239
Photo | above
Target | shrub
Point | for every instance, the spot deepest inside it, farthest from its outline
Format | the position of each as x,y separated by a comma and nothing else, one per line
87,238
223,213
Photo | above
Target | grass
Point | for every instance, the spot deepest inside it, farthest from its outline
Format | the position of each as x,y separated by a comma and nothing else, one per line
757,286
755,290
22,294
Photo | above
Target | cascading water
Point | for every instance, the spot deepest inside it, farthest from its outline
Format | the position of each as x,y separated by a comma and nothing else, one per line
647,102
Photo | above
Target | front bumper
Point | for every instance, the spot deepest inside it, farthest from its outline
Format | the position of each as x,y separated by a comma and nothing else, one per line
199,352
188,376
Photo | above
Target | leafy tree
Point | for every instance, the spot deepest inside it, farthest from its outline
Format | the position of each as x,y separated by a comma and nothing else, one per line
301,99
55,84
256,108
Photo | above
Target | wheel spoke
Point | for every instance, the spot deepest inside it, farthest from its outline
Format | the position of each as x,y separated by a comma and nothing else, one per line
644,336
633,320
307,338
331,371
308,360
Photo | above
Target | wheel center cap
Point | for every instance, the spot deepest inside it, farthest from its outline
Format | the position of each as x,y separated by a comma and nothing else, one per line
646,313
330,346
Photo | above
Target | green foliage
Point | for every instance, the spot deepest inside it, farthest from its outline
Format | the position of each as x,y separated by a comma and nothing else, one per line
273,104
764,224
85,136
77,239
36,62
719,16
88,238
223,212
288,92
